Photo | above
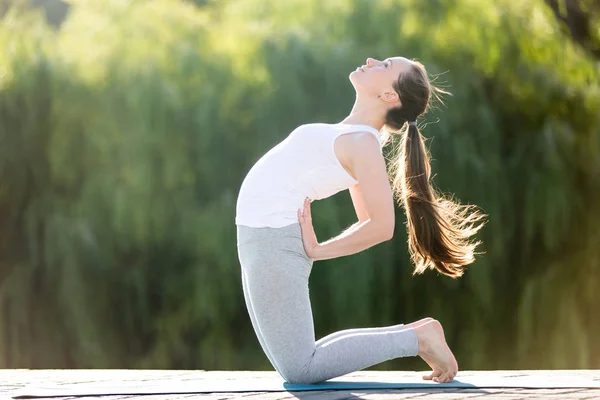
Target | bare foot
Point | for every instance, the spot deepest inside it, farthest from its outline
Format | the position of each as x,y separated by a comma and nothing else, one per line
434,350
419,322
436,371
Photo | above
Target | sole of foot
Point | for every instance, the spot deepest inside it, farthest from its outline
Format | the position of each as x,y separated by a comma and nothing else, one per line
434,350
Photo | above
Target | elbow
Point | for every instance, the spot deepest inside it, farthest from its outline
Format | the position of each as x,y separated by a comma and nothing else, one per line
386,231
388,234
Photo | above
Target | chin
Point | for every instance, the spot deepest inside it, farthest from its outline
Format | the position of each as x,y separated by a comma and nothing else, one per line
355,80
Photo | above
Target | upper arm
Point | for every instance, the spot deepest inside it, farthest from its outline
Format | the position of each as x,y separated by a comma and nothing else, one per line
359,203
372,196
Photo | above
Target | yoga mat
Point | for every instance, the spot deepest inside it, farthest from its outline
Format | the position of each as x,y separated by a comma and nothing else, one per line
273,383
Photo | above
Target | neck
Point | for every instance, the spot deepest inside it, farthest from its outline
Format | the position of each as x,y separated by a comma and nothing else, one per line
365,112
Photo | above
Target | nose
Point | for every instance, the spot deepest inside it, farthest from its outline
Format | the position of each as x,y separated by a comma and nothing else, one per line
371,62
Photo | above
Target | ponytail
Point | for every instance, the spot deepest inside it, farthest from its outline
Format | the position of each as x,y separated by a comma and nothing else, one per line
438,229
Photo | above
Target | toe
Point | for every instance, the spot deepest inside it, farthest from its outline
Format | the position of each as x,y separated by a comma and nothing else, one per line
430,376
434,374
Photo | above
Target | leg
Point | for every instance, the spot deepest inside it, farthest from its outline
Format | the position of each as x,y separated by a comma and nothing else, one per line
276,275
250,308
398,327
274,285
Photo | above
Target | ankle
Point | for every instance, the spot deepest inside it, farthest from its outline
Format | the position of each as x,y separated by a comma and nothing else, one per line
425,334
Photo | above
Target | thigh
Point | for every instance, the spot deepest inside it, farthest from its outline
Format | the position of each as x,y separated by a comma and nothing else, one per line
254,323
276,278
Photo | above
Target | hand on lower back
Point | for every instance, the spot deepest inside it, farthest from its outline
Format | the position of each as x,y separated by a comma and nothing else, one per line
309,238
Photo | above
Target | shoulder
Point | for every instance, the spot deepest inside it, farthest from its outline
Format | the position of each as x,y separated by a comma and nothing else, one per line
365,138
361,143
359,151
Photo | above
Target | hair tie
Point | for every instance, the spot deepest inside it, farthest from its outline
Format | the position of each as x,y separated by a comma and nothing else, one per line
412,123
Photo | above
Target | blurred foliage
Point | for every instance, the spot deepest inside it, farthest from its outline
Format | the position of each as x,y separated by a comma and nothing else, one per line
125,135
581,20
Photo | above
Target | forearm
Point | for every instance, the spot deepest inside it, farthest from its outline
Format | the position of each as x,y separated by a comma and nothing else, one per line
356,238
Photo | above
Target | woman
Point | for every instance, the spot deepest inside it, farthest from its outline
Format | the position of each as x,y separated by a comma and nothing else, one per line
277,244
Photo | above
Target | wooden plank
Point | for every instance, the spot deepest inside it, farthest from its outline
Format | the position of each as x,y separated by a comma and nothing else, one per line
12,380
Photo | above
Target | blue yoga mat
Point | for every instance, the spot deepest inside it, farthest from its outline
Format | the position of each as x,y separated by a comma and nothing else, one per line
224,381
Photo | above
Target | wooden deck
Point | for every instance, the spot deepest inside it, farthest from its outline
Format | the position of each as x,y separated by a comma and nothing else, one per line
16,382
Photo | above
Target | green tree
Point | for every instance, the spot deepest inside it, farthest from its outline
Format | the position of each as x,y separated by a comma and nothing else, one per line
126,133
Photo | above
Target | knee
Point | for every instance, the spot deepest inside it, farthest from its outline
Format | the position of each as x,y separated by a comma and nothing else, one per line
302,377
296,375
304,380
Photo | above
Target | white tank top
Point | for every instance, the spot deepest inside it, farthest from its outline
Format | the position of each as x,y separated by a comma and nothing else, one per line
302,165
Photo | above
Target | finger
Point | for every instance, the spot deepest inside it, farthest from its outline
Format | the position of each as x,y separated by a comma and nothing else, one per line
300,217
308,213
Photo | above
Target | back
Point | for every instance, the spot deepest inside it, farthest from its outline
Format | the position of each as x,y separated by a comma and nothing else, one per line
302,165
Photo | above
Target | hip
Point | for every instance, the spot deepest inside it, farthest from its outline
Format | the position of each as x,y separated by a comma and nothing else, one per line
250,234
267,243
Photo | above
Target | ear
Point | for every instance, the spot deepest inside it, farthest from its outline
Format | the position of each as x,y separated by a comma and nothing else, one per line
390,97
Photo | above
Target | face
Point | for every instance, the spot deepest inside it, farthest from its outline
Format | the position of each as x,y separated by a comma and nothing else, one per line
375,78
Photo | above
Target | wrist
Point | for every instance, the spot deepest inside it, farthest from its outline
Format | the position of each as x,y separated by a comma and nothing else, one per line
316,252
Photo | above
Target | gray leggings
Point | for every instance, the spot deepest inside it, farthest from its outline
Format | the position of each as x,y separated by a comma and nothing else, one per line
275,271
